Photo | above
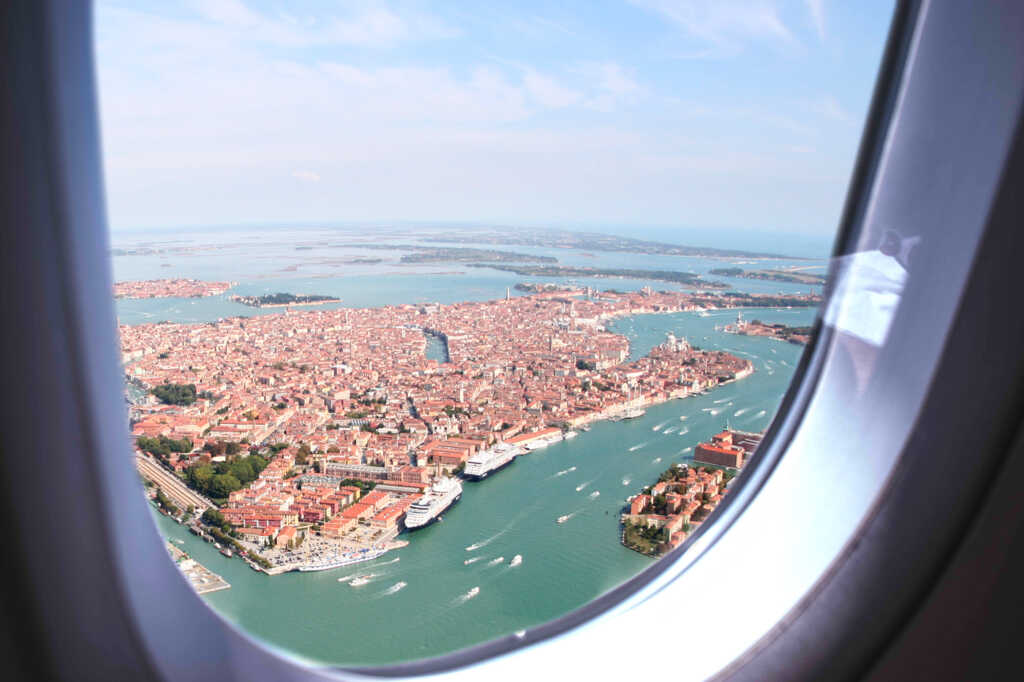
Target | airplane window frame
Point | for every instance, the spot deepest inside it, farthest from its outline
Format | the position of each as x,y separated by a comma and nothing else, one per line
172,632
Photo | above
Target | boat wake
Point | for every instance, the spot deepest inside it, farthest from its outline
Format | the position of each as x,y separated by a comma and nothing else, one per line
361,580
626,480
760,414
563,472
658,427
637,447
475,559
669,430
714,413
596,493
683,431
741,412
655,460
469,595
495,561
394,588
719,402
583,485
483,543
685,450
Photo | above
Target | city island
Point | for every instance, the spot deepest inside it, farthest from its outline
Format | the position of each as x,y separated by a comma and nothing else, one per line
170,288
307,440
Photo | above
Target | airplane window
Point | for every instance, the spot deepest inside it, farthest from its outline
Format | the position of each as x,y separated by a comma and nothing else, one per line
439,321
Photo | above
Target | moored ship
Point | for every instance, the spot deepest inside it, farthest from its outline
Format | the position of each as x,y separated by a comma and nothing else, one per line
485,462
443,494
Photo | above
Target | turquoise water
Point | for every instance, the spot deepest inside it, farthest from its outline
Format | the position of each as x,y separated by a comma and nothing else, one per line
564,565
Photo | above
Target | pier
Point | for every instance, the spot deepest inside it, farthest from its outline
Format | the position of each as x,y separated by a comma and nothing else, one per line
202,579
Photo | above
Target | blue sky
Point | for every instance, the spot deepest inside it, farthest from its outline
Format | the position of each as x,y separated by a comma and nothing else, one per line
732,114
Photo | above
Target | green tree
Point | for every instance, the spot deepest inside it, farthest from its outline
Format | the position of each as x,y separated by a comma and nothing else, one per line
175,394
223,485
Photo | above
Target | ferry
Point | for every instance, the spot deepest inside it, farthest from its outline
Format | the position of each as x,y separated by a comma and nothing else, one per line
483,463
443,494
346,559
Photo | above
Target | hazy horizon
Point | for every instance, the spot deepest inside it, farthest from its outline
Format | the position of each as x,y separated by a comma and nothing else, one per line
644,115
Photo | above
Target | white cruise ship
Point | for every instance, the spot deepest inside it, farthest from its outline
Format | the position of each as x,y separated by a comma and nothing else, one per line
487,461
443,494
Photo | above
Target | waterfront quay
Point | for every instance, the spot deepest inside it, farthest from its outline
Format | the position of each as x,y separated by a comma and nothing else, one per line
202,579
327,425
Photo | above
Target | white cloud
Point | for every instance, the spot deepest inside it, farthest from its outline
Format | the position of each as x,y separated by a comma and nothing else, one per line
829,107
817,10
363,26
726,24
547,92
306,175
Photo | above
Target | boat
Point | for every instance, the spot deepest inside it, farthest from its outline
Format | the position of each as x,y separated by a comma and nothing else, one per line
346,559
361,580
226,552
563,518
472,593
516,560
585,427
443,494
570,434
485,462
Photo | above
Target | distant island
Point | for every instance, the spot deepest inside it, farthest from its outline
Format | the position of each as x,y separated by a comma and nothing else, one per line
592,241
771,275
280,300
688,279
453,254
170,288
795,335
538,287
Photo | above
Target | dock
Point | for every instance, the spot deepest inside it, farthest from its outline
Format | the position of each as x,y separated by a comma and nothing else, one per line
202,579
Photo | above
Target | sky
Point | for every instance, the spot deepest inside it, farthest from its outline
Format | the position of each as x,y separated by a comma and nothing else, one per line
711,114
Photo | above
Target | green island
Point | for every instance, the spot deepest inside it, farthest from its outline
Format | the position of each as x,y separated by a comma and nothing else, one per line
795,335
453,254
282,299
688,279
592,241
771,275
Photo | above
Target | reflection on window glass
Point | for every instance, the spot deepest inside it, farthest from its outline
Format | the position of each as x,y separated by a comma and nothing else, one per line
439,321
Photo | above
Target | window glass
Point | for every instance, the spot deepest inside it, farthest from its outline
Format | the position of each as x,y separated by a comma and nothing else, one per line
440,320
